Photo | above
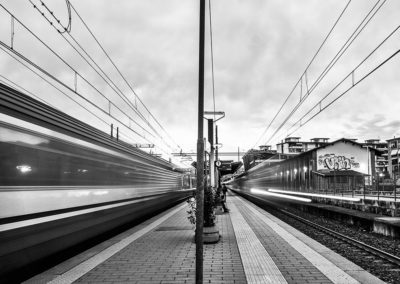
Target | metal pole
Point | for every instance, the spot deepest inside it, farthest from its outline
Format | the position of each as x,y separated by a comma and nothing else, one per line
398,173
200,153
216,155
364,188
212,149
216,142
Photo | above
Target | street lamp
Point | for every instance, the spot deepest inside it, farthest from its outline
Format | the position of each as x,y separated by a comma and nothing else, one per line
377,183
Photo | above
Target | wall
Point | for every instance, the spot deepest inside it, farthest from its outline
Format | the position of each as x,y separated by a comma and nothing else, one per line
344,156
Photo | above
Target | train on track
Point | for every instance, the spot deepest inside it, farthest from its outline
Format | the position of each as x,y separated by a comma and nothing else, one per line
343,166
64,183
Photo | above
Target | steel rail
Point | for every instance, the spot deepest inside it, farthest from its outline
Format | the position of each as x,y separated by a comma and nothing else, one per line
375,251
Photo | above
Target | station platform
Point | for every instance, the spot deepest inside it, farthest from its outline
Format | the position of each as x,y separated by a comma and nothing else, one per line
254,247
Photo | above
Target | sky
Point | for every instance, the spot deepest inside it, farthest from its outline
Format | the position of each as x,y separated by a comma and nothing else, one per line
261,49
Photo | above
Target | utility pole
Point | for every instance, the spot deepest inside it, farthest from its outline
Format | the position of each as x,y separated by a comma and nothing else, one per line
212,151
200,153
216,153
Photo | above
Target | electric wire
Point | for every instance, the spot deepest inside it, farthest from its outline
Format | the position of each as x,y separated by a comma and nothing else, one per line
65,29
305,72
3,45
122,76
118,91
354,83
366,20
18,59
330,65
134,108
14,85
101,119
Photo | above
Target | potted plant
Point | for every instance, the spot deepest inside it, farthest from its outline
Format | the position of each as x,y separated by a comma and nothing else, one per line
210,230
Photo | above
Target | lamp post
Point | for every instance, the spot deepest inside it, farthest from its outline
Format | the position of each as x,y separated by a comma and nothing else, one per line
211,127
200,152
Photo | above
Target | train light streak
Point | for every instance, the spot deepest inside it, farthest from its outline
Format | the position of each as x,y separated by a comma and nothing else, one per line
24,169
258,191
355,199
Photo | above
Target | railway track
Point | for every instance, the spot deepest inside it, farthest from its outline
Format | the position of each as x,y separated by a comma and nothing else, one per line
369,251
351,241
382,264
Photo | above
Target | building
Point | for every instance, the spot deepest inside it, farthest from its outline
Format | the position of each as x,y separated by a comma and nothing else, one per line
293,145
339,166
381,158
393,167
254,157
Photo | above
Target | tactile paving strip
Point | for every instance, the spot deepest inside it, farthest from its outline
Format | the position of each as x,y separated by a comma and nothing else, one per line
329,269
258,265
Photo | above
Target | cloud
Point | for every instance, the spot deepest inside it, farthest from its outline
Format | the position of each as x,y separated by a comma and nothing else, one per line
261,48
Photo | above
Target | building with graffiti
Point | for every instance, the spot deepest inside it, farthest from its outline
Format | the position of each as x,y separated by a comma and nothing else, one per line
340,166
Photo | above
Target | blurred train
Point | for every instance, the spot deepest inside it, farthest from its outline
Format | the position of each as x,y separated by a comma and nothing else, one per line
64,183
42,173
342,166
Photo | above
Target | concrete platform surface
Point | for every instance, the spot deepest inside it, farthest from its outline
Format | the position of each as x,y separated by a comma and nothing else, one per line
254,247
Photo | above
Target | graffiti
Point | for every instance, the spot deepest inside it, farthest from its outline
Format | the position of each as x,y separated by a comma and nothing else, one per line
340,163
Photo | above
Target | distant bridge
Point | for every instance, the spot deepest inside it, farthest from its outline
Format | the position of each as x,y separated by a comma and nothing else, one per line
240,153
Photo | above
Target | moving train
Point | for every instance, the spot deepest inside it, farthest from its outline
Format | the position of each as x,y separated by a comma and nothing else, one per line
41,173
340,166
64,183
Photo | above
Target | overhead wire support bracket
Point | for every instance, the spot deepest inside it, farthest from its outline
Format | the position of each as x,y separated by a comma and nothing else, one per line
306,79
12,32
76,82
348,89
58,56
301,88
298,81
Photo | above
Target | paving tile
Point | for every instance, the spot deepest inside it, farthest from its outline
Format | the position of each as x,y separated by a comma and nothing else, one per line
166,253
168,256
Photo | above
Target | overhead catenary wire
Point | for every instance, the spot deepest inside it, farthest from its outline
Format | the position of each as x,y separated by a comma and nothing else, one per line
305,71
112,85
68,27
62,83
54,86
352,86
354,83
4,47
17,58
366,20
8,82
122,76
